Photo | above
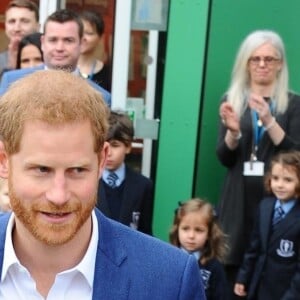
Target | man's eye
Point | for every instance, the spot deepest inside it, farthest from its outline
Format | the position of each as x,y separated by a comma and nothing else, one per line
69,41
43,169
78,170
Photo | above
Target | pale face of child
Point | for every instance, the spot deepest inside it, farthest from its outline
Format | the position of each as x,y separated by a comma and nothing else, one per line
116,154
284,182
193,231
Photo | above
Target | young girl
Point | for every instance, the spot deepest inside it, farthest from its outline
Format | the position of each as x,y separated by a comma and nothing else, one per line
196,232
271,269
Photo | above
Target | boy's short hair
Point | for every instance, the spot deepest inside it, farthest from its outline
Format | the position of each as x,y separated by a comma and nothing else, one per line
120,128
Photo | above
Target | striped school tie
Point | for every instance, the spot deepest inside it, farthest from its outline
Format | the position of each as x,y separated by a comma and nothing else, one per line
112,179
278,215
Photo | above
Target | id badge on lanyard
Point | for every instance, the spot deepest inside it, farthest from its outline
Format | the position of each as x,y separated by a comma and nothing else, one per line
254,167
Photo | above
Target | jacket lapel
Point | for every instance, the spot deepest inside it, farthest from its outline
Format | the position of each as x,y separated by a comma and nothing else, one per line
110,281
286,224
265,220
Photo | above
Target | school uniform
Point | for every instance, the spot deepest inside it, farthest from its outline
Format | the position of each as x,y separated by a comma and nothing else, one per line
131,202
213,277
214,280
271,265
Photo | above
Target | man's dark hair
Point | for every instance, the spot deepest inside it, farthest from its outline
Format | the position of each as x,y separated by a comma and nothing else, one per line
63,16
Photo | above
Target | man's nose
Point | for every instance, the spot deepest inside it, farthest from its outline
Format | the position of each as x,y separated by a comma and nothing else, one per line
17,26
60,45
57,192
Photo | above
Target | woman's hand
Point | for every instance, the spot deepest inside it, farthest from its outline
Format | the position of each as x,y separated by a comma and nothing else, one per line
230,118
262,107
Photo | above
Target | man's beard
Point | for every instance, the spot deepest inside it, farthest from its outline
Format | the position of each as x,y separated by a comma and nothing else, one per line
67,68
52,234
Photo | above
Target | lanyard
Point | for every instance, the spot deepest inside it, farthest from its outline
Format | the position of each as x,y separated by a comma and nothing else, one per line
258,129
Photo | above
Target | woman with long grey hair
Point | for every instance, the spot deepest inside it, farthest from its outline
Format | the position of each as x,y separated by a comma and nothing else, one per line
258,118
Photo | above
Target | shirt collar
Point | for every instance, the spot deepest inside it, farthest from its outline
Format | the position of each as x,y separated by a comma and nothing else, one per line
9,258
84,266
196,254
89,258
120,172
286,205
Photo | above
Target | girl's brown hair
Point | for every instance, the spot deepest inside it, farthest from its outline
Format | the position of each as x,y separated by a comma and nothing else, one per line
216,245
289,160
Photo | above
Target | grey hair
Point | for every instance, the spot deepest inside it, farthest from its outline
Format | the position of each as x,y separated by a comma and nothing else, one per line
240,80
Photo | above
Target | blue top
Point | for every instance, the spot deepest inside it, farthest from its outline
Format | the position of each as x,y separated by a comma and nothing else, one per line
10,77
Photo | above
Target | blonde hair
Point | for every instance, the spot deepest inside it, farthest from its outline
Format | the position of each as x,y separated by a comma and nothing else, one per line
55,97
240,80
216,246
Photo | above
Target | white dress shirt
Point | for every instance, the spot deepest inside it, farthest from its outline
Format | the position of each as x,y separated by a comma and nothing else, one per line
75,283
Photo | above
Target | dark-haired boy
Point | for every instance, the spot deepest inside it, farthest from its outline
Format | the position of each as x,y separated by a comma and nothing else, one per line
124,195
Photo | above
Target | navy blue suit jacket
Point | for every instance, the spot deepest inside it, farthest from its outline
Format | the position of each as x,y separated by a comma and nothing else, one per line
10,77
131,265
271,266
137,196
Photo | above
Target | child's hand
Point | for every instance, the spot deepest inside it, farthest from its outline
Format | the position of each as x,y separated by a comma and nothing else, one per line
239,289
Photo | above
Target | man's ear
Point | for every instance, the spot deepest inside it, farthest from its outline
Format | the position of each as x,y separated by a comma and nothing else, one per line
102,156
3,161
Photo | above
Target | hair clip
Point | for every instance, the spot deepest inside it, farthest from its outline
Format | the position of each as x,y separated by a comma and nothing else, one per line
178,208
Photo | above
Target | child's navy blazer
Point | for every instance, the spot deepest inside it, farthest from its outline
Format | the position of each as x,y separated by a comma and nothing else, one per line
271,266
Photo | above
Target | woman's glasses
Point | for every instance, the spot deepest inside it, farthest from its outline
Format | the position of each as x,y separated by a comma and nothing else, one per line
268,60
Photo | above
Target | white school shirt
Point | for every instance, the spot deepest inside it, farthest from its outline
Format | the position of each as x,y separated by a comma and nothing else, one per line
76,283
120,172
